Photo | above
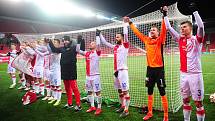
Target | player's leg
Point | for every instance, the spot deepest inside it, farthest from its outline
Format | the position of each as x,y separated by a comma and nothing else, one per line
185,92
41,82
76,94
48,90
161,87
58,90
123,77
150,83
13,78
197,90
121,95
23,81
68,88
90,95
97,90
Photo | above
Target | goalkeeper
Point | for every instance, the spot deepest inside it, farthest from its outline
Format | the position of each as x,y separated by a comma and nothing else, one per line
155,64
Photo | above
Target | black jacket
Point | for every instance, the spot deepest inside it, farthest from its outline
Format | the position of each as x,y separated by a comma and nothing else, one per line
67,62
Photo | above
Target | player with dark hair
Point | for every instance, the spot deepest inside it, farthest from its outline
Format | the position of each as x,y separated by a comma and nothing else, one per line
69,69
155,64
191,79
120,69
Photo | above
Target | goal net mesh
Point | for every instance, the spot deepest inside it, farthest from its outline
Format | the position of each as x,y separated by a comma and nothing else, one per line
137,62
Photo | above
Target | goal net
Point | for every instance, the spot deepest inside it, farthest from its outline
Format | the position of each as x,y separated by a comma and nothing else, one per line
137,62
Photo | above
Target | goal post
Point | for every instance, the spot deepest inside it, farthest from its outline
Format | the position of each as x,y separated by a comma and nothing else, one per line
137,62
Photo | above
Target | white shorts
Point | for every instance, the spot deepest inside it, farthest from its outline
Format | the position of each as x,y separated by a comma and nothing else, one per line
192,85
93,83
10,69
55,78
122,81
38,71
46,75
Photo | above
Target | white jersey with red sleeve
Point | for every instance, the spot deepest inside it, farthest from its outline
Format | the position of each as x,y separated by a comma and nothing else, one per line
92,62
190,54
120,56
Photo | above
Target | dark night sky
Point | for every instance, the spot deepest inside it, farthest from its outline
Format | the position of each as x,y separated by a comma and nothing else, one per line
110,7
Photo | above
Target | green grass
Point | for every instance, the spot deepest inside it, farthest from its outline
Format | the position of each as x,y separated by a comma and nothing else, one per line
11,108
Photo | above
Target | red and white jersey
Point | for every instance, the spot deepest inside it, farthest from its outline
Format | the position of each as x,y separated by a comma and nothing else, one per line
12,55
120,56
92,62
54,62
46,61
190,54
39,60
40,57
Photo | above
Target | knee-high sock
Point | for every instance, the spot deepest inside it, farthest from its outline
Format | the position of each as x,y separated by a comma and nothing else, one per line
150,103
187,109
48,90
55,93
99,101
200,114
68,89
59,92
122,100
91,100
76,92
13,79
127,101
42,89
165,105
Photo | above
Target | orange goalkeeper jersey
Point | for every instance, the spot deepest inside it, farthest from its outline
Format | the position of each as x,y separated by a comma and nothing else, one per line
154,47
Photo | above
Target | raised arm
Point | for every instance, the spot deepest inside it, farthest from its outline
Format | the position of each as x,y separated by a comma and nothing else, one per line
78,50
98,50
125,32
30,51
163,32
4,54
40,52
174,33
105,42
200,29
54,49
78,46
140,35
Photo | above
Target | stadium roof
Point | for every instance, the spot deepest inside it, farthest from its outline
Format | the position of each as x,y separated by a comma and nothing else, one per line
25,17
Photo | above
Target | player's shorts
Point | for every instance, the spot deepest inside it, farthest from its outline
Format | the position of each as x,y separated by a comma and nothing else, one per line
122,81
55,78
191,84
10,69
155,75
38,71
93,83
46,75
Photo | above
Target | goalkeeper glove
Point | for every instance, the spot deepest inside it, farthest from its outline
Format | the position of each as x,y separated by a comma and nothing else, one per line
98,32
164,11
